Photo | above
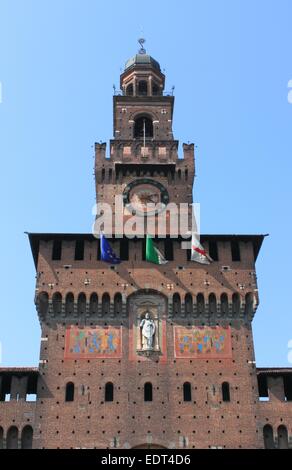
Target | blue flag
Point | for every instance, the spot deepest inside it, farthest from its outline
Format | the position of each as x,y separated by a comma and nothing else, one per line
106,252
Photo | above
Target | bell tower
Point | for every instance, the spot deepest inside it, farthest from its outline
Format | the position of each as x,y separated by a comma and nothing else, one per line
144,165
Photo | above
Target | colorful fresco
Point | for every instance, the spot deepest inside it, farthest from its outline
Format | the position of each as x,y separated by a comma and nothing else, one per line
89,343
202,342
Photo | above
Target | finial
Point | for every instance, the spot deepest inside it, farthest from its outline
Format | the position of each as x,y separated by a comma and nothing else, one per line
142,41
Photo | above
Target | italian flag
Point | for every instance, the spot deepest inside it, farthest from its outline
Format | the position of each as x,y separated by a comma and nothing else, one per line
153,255
198,252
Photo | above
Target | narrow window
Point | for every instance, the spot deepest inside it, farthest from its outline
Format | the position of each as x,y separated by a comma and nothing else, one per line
69,304
212,304
176,302
69,395
105,304
57,303
148,391
282,437
248,311
130,90
213,250
235,303
26,437
144,249
224,307
12,438
200,304
93,304
288,386
263,387
225,391
109,392
124,249
268,437
79,250
57,250
168,249
81,304
187,389
188,304
235,250
155,89
118,303
42,303
142,88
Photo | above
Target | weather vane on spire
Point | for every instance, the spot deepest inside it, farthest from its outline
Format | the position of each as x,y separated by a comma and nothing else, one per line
142,41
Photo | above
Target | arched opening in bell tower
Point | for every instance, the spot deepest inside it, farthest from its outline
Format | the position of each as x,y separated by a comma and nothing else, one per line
130,90
142,88
143,126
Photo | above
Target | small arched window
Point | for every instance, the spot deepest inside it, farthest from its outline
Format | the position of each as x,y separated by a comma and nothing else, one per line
200,304
130,90
105,304
93,304
212,304
248,304
268,437
81,304
26,437
187,391
188,304
109,392
224,304
143,124
118,303
282,437
69,394
12,438
225,392
148,391
142,88
235,303
69,304
43,303
176,302
57,303
155,89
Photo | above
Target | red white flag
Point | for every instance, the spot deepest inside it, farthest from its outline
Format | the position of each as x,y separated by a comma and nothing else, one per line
198,252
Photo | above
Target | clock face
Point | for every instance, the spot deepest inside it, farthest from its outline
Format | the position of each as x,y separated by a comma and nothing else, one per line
145,197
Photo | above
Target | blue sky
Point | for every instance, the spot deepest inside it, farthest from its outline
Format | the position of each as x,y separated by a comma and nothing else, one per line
230,62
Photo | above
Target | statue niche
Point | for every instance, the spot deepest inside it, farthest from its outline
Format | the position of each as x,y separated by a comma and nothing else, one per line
147,331
147,312
148,328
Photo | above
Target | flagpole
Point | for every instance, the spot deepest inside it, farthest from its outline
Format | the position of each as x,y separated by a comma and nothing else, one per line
144,137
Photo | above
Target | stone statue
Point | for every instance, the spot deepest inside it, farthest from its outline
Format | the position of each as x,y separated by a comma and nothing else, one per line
148,330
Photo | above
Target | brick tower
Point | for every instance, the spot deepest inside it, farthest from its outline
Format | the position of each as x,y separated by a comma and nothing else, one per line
98,384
